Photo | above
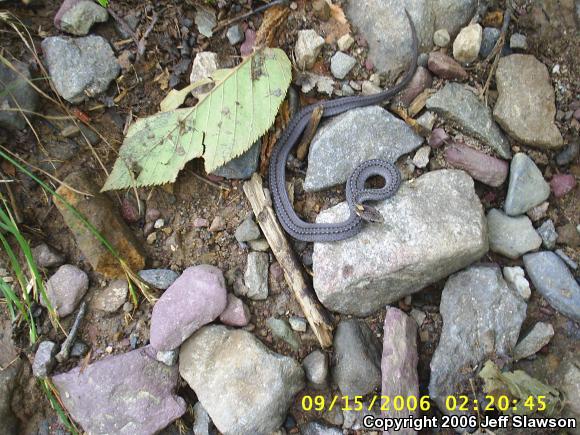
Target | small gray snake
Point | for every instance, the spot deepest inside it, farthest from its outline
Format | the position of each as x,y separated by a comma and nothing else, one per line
356,193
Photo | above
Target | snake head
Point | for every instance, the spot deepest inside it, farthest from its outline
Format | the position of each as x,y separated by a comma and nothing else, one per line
369,214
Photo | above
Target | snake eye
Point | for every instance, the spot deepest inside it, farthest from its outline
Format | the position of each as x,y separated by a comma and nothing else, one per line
369,214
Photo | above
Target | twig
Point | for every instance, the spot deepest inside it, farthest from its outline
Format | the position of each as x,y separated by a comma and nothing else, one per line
143,41
211,183
302,150
64,353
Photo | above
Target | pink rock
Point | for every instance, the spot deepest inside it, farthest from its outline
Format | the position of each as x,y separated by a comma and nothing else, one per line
399,362
420,81
487,169
561,184
200,222
248,46
196,298
437,138
445,67
236,313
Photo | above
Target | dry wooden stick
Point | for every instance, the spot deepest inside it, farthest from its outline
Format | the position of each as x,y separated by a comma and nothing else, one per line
317,316
302,150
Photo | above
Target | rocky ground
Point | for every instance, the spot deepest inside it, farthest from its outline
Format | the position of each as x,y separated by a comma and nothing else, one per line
477,259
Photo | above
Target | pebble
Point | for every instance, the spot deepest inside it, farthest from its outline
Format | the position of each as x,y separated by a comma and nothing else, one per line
200,223
518,42
553,280
217,224
112,297
421,158
445,67
256,276
46,256
204,64
467,44
536,339
547,232
20,92
205,20
318,428
418,315
437,138
167,357
527,187
427,120
489,39
44,359
159,223
151,238
562,184
152,214
260,245
66,288
79,349
248,230
511,236
298,324
78,16
235,34
441,38
248,45
515,276
421,80
316,368
159,278
282,330
307,49
345,42
236,312
369,88
538,212
487,169
568,154
341,64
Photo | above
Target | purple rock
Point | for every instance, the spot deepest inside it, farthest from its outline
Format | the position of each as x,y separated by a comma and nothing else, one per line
131,393
420,81
248,46
487,169
66,288
196,298
561,184
399,361
437,138
445,67
236,313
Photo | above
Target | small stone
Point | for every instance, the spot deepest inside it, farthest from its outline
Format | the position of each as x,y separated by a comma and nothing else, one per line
248,46
202,424
369,88
341,64
167,357
256,276
568,154
441,38
562,184
46,256
260,245
79,349
317,428
200,223
217,224
345,42
204,64
547,232
159,223
44,359
537,338
518,42
235,34
418,315
515,277
511,236
236,312
489,39
78,16
66,288
21,95
298,324
316,369
307,48
421,158
151,238
321,9
282,330
427,120
422,79
152,215
248,230
437,138
445,67
467,43
538,212
487,169
241,167
112,297
205,21
159,278
527,187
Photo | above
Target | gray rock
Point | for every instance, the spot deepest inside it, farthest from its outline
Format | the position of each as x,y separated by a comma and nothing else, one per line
547,232
554,281
453,14
112,297
255,397
462,107
204,64
433,227
568,154
78,16
357,354
66,288
159,278
167,357
248,230
537,338
260,245
235,34
516,279
347,140
518,42
316,368
80,67
441,38
526,107
205,20
307,48
489,39
236,312
511,236
317,428
242,167
399,361
421,157
130,393
79,349
8,382
282,331
44,359
467,44
46,256
15,92
345,42
341,64
298,324
527,187
202,424
482,317
256,276
354,417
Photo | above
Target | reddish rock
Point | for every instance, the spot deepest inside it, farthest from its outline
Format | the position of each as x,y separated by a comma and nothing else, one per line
445,67
437,138
248,46
561,184
236,313
420,81
487,169
65,289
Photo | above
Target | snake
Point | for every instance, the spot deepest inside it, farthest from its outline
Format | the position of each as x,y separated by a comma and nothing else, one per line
357,194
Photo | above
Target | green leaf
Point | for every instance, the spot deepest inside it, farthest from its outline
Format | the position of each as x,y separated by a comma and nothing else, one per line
224,124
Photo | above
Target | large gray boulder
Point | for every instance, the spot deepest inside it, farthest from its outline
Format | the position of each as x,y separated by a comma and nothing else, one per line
245,387
433,226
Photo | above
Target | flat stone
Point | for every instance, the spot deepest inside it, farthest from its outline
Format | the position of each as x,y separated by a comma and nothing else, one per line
316,368
399,361
196,298
341,64
252,399
482,316
236,312
15,92
256,275
112,297
487,169
159,278
547,232
467,44
554,281
537,338
347,140
525,107
46,256
65,289
78,16
104,216
308,47
130,393
357,355
433,227
80,67
204,64
282,331
516,279
248,230
44,359
242,167
460,106
205,20
527,187
445,67
511,236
